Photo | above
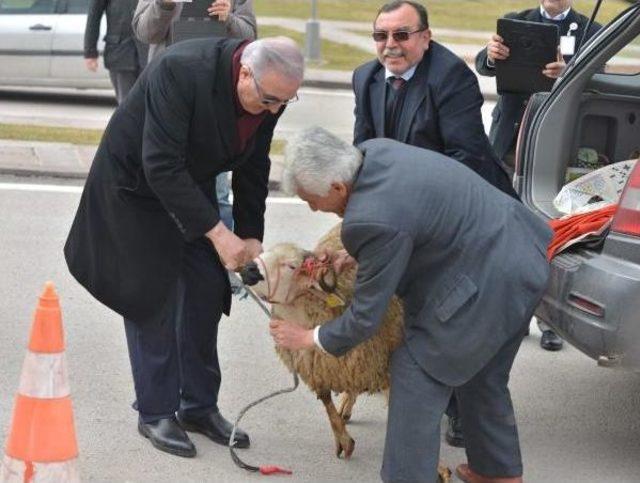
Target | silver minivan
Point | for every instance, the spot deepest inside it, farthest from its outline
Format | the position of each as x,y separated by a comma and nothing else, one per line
41,45
593,299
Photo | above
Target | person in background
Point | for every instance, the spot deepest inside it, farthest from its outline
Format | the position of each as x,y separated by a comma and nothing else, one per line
420,93
510,107
124,56
152,22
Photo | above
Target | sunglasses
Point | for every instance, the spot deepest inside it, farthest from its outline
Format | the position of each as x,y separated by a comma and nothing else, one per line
267,100
398,36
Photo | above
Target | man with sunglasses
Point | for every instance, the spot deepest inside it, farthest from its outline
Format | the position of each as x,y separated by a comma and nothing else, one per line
147,239
420,93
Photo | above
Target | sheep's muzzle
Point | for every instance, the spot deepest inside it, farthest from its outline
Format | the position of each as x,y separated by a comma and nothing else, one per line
250,274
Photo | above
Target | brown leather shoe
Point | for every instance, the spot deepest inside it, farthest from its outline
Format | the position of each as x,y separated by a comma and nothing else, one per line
467,475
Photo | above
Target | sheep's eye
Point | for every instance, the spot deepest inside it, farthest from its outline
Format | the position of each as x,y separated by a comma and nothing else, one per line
291,266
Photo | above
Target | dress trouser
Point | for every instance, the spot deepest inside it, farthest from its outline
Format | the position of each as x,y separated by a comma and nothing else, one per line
412,450
223,190
122,81
174,358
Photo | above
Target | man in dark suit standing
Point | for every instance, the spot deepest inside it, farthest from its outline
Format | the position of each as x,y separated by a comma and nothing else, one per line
510,106
453,248
147,240
124,55
420,93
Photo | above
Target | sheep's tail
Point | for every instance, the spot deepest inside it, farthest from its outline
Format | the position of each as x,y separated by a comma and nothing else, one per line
267,469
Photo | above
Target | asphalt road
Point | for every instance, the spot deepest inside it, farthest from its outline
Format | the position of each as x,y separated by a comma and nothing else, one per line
328,108
578,422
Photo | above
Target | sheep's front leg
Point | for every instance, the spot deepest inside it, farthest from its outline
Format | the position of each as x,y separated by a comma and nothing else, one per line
344,442
345,408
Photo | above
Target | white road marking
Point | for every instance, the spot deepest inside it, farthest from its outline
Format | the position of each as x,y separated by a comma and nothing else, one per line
53,188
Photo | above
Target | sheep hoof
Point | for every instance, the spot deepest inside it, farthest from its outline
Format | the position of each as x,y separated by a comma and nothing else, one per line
347,447
346,417
444,474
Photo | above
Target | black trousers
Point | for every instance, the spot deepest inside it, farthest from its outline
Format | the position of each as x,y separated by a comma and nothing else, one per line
174,356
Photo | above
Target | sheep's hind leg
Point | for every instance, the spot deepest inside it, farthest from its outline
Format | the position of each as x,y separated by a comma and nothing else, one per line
345,408
344,442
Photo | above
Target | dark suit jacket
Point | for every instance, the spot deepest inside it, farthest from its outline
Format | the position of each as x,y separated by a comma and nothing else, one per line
122,51
510,107
441,112
468,261
152,183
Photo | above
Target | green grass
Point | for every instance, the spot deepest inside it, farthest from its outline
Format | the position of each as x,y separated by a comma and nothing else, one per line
335,56
50,134
461,14
20,132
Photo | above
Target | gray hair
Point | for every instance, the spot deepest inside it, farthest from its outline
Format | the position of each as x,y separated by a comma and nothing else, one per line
280,54
314,158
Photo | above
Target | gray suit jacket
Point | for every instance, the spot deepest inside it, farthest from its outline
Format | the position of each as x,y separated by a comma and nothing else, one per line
152,22
468,261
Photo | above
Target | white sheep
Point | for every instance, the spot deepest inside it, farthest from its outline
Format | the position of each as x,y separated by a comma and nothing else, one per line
303,289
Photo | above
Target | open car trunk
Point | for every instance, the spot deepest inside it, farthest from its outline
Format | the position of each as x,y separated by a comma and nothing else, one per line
593,298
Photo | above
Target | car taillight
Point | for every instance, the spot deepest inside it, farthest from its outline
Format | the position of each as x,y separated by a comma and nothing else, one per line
627,217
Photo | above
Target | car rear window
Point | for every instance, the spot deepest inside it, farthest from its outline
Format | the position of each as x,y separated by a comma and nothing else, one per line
27,6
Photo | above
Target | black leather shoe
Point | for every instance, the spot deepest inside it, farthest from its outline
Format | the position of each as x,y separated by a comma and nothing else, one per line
454,434
167,435
550,341
215,427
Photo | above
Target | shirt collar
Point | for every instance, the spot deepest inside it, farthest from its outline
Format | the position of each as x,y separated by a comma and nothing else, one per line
406,76
558,17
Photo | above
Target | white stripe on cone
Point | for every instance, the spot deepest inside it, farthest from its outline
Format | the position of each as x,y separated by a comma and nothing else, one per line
44,376
13,471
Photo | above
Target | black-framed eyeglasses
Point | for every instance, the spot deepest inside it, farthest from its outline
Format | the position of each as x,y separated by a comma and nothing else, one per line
267,100
398,35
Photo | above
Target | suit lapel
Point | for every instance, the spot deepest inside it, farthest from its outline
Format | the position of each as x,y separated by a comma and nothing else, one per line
377,97
417,89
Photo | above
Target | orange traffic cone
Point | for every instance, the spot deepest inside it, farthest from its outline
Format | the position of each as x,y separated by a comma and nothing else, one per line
42,442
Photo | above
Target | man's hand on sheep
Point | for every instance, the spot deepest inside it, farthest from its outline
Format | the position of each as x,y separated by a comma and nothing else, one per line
234,252
291,336
340,260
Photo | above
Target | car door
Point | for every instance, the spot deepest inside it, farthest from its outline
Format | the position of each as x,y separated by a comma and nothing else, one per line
67,61
26,36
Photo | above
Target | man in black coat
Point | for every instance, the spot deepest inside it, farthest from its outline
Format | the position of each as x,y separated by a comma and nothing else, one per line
420,93
124,55
509,110
147,240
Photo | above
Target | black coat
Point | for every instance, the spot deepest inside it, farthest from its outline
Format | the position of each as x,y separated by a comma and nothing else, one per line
122,51
441,112
151,187
507,114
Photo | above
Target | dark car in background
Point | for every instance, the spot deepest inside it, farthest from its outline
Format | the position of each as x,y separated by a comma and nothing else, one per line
41,45
593,298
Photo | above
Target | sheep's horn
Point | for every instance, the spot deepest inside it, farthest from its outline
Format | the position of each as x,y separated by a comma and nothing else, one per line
328,280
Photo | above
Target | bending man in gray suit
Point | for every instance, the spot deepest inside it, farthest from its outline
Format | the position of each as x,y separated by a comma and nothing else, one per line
454,248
